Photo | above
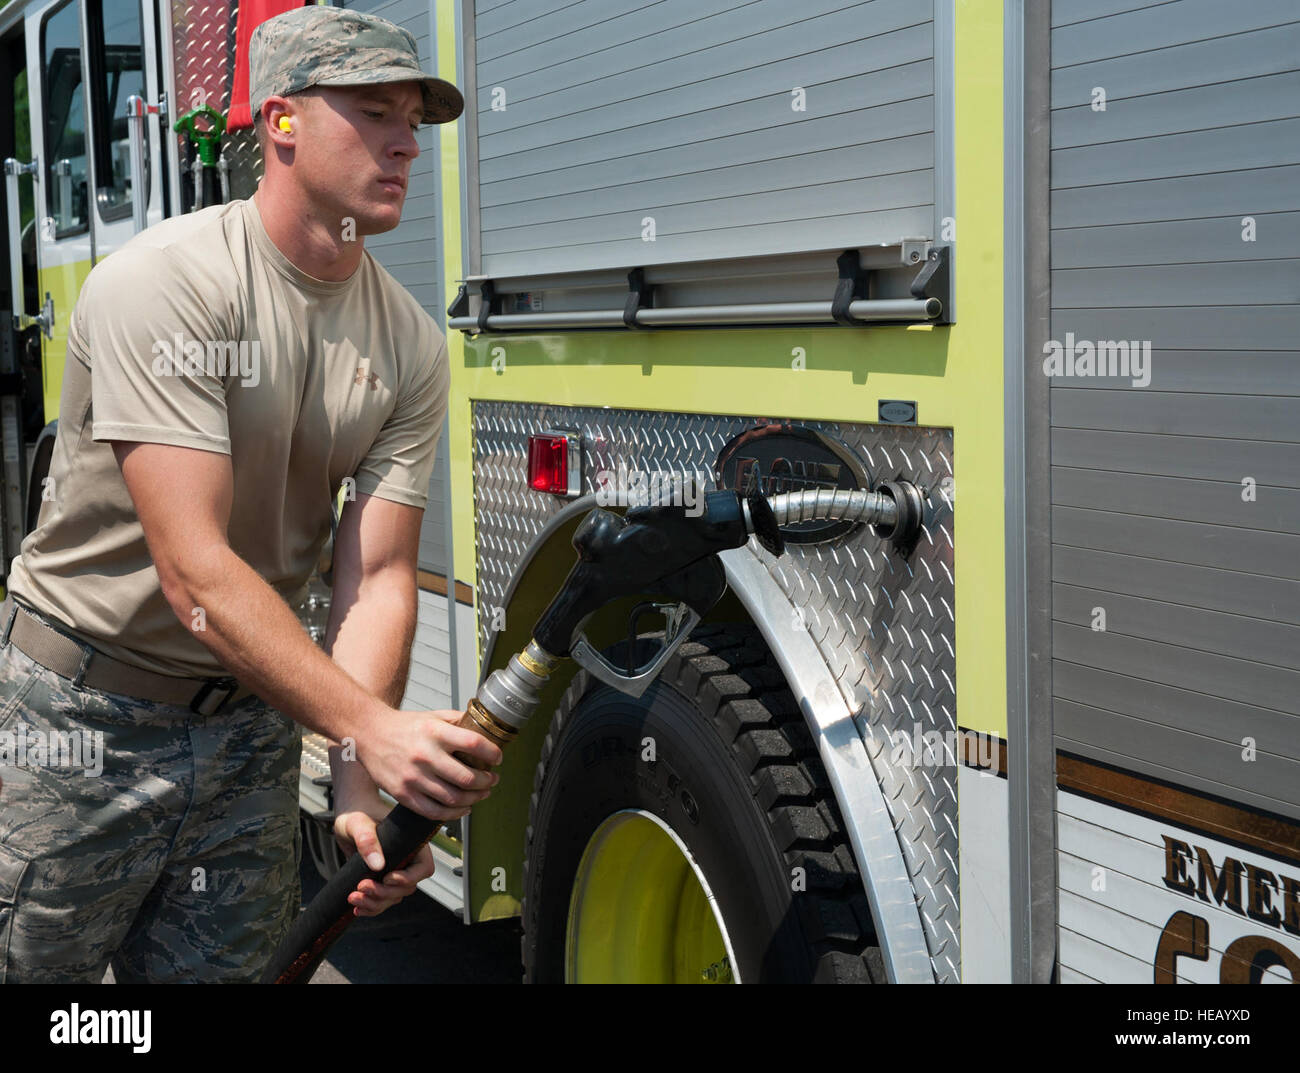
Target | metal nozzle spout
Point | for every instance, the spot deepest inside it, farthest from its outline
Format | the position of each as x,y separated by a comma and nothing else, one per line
871,508
895,510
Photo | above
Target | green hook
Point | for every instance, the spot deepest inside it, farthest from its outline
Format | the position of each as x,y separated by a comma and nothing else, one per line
208,141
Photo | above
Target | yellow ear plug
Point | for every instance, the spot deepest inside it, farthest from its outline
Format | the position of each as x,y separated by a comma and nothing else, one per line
285,125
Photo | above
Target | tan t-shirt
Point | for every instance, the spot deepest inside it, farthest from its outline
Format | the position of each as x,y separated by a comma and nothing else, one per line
303,382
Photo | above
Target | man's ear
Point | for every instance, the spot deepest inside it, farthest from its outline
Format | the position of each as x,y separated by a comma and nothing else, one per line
273,110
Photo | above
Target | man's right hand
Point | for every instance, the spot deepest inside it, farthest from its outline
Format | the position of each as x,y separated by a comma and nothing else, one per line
410,755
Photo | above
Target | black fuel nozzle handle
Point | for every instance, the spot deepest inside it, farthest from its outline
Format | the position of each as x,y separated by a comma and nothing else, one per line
699,586
623,556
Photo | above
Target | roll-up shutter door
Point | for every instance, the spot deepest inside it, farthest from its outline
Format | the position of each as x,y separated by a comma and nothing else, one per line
1175,482
611,135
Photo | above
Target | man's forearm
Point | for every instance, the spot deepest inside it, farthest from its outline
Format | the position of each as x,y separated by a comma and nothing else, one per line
370,632
260,641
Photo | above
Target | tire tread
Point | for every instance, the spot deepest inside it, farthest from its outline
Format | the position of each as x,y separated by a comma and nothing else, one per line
730,673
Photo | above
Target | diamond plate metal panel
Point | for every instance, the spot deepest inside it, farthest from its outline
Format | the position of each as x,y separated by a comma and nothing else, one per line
203,43
884,625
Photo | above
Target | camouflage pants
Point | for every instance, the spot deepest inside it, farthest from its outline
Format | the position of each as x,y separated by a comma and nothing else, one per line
178,861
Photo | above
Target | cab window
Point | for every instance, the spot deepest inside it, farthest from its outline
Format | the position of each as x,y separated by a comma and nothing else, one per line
65,121
116,73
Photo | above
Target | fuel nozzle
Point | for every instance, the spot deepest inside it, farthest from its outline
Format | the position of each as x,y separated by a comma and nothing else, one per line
651,548
672,551
668,550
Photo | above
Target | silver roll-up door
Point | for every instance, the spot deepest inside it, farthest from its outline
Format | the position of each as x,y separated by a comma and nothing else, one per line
612,134
1175,484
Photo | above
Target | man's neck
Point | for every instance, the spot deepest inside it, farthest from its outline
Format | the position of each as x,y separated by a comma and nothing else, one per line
312,244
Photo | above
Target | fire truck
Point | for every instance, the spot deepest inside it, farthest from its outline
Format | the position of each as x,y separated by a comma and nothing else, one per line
1035,262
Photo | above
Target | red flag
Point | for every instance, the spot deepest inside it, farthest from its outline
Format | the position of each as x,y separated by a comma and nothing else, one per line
252,13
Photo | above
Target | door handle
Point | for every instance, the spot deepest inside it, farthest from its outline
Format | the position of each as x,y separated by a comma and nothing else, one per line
137,109
14,169
45,318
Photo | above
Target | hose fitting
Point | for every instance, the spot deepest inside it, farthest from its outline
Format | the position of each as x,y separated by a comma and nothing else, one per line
511,693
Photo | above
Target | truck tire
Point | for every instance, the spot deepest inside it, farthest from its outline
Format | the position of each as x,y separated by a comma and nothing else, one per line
700,805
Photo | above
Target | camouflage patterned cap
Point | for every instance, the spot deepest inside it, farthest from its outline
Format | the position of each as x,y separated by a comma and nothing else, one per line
331,46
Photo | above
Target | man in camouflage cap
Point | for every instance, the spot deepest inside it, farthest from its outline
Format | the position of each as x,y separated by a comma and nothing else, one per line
230,373
329,46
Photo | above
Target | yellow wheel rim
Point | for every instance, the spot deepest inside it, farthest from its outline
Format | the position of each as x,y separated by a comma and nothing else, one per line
642,911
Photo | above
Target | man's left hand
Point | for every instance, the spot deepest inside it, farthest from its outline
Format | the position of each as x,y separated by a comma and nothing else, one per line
354,829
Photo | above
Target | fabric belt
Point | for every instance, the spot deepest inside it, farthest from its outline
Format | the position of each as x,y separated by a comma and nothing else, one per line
90,668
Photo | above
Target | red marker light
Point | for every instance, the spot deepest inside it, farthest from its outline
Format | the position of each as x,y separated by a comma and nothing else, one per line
548,464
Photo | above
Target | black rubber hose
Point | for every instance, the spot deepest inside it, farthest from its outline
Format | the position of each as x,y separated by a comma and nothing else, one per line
402,834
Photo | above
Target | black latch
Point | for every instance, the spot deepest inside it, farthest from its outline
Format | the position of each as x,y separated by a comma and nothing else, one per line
641,295
488,303
460,304
852,287
935,281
